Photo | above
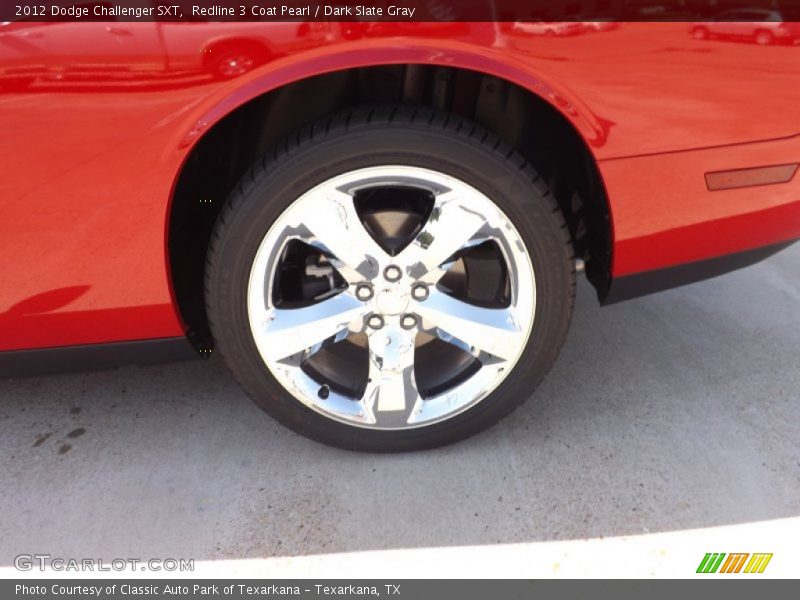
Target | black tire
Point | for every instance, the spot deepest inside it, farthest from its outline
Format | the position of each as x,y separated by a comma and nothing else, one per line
370,137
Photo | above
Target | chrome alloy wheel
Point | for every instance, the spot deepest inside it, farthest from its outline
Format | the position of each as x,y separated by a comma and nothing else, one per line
395,338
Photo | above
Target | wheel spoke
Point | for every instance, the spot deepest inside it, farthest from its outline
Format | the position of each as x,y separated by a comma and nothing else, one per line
391,394
336,228
451,227
475,387
287,331
491,330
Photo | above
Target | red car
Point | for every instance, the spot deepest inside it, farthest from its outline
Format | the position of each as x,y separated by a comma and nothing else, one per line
378,227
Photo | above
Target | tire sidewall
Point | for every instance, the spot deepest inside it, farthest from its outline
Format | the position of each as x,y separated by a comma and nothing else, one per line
500,177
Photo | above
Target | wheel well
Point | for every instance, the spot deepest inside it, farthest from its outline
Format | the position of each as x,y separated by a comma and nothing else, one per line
531,125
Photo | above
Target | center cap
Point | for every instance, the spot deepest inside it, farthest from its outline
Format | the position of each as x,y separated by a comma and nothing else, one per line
392,301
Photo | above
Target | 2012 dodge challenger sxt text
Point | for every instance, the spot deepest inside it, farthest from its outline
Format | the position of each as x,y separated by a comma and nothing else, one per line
378,225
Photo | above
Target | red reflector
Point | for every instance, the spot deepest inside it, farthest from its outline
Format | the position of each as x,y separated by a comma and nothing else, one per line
739,178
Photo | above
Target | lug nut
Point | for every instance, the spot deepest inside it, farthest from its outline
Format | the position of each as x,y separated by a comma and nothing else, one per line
364,291
392,273
420,291
375,321
408,321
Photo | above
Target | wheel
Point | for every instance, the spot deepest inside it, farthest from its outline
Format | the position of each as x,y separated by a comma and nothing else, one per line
390,280
700,33
232,63
764,38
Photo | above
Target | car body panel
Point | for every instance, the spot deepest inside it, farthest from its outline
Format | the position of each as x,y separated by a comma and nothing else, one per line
94,144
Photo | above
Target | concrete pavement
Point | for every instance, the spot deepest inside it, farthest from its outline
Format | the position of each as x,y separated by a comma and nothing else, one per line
676,411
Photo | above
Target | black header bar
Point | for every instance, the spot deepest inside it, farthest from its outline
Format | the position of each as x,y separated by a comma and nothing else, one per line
12,11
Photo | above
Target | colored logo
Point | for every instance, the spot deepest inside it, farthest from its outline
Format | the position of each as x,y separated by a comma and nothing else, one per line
734,563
